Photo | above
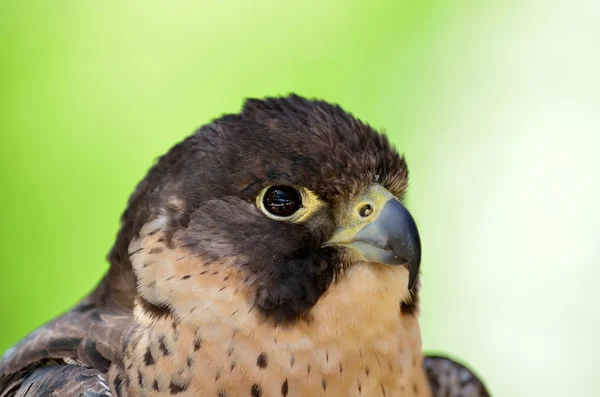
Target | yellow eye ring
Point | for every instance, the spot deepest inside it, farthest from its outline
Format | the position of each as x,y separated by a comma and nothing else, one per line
287,203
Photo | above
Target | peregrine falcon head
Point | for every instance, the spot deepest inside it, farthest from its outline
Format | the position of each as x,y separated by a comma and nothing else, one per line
288,212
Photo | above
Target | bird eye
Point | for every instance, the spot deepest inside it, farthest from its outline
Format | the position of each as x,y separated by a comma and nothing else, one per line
282,201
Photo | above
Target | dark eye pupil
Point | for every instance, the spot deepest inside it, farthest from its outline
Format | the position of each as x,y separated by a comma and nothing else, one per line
282,200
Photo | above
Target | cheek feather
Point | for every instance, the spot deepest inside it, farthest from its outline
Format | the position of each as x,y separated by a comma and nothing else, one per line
189,287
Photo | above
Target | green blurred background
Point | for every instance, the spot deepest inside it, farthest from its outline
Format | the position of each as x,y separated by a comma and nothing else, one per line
495,104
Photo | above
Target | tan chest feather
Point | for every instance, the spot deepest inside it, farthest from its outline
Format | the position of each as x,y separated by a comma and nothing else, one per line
214,343
182,362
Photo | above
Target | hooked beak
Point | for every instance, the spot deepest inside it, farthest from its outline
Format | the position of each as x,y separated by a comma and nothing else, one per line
380,229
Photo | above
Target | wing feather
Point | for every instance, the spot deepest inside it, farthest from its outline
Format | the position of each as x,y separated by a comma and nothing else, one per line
449,378
89,335
63,381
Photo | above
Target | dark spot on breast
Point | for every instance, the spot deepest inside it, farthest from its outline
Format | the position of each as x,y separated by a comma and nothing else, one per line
175,389
218,376
367,371
341,369
292,360
140,378
308,369
284,388
256,391
156,250
359,387
157,311
221,394
190,361
232,366
148,358
415,388
186,277
262,360
155,385
197,344
324,384
162,346
117,383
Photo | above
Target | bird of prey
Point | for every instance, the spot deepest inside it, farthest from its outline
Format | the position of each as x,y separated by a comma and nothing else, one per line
269,254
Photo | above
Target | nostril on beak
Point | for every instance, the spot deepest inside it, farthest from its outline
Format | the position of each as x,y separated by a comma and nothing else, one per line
365,210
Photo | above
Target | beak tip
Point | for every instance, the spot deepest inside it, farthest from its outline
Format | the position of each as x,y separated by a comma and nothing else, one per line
412,278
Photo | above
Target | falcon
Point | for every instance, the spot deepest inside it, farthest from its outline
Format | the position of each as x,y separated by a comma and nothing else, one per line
269,254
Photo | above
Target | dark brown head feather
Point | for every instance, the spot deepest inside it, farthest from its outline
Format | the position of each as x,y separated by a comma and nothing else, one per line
208,184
